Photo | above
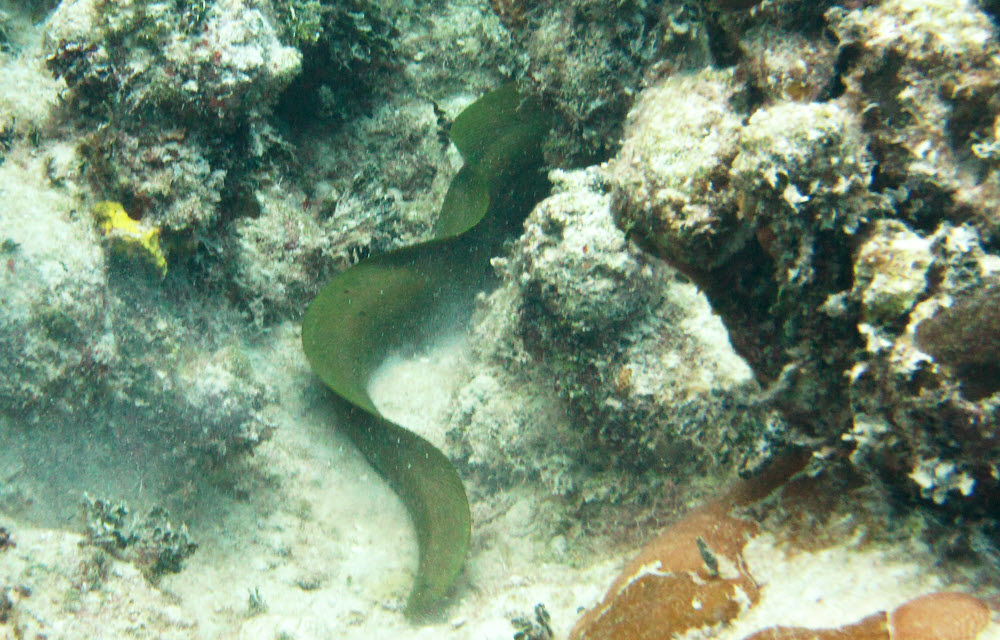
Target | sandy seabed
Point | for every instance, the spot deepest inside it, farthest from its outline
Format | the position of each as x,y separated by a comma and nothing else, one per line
313,544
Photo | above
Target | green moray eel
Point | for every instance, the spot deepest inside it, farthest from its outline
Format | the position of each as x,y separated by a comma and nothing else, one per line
383,302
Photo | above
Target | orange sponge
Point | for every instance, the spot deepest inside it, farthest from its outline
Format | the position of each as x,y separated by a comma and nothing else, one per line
691,576
944,615
935,616
874,627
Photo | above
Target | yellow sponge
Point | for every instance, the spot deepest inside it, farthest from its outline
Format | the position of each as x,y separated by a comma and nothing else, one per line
130,237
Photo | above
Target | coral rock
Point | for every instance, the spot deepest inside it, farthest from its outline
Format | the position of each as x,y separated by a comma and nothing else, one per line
935,616
692,576
939,616
873,627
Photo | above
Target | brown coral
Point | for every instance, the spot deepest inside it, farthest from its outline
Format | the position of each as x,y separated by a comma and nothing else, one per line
693,577
939,616
672,586
874,627
935,616
690,577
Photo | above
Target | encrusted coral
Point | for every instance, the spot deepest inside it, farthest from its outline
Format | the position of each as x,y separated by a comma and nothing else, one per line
786,65
890,272
575,266
166,176
935,375
964,333
277,253
93,346
597,369
925,75
224,59
588,59
346,47
178,85
218,407
668,177
752,213
847,244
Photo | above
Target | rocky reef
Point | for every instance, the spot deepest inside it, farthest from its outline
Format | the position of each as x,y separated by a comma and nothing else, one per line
175,83
846,242
772,230
600,372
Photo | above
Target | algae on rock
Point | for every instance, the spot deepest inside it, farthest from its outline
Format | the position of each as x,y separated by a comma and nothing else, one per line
848,244
601,376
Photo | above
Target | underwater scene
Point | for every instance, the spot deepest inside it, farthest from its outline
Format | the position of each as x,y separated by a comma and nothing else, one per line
500,319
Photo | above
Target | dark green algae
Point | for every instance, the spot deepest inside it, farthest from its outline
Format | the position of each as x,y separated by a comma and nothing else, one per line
386,302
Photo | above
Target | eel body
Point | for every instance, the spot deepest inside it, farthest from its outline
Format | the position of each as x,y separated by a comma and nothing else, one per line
383,302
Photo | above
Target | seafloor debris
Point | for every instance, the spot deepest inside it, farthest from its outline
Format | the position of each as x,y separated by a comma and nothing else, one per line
152,544
539,628
6,539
